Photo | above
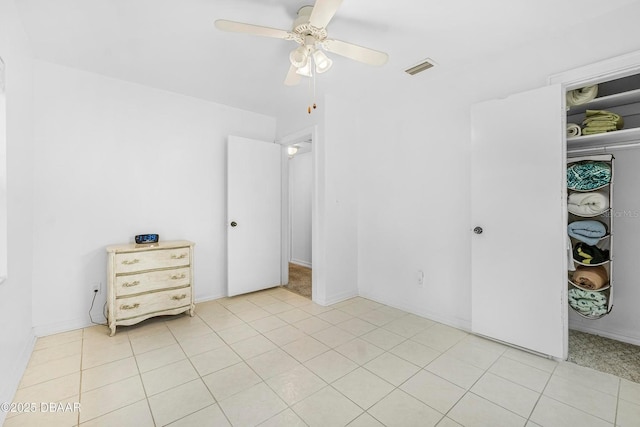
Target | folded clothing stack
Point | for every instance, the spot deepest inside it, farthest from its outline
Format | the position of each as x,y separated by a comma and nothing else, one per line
588,231
591,255
587,302
600,121
588,204
587,176
592,278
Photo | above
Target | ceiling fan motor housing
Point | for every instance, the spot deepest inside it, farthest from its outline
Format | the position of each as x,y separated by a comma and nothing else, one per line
303,27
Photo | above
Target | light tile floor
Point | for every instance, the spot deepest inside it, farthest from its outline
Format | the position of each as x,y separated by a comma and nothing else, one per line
273,358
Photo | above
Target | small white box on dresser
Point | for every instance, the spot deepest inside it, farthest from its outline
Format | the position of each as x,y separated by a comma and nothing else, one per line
149,280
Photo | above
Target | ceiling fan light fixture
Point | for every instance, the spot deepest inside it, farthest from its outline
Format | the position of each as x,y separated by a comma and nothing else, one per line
322,61
299,57
305,70
292,150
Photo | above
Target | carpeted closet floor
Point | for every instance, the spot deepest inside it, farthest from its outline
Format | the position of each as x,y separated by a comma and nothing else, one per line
299,280
605,355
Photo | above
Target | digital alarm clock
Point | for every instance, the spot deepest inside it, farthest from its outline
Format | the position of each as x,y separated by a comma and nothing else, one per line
142,239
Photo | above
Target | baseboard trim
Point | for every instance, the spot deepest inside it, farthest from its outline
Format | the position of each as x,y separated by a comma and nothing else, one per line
334,299
455,322
56,328
72,325
12,383
301,263
208,298
606,334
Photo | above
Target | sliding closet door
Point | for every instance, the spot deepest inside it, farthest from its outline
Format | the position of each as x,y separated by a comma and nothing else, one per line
518,229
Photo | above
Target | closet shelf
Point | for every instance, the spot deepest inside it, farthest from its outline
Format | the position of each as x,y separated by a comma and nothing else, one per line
618,137
604,212
591,265
575,239
590,190
575,285
589,317
605,102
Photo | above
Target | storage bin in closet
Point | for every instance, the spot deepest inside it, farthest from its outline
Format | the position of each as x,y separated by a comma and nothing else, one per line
590,225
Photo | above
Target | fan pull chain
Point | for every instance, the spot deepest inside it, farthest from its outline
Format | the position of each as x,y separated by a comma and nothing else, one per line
312,91
309,106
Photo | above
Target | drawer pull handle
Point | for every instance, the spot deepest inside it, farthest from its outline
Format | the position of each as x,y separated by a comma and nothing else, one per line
177,277
181,256
129,307
130,262
179,297
130,284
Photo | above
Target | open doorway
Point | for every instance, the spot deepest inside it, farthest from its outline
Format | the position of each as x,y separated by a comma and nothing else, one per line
298,187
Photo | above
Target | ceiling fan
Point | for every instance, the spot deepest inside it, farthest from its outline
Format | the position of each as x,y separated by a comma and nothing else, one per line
309,31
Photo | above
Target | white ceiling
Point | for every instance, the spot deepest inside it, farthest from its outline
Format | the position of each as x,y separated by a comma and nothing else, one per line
173,45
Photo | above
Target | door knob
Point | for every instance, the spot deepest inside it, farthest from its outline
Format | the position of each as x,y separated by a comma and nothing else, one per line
478,230
233,223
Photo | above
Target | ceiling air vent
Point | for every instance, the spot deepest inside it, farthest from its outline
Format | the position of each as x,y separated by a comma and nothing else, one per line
424,65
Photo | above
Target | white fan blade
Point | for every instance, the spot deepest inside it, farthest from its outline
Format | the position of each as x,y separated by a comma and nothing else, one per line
256,30
359,53
323,11
293,78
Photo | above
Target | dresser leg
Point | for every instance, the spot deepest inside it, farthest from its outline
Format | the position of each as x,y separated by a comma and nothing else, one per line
113,330
192,310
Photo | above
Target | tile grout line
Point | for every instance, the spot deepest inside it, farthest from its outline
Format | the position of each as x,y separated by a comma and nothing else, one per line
312,315
615,415
197,372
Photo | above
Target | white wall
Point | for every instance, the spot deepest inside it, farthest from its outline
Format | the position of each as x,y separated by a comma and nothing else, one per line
413,157
301,186
115,159
340,159
414,202
16,338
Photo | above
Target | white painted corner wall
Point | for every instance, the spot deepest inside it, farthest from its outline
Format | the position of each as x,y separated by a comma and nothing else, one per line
114,159
17,339
413,159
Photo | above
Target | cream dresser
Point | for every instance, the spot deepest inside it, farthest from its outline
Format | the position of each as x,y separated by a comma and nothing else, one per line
149,280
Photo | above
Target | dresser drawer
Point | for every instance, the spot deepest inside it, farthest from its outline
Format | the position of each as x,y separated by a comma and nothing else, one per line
152,280
139,305
152,259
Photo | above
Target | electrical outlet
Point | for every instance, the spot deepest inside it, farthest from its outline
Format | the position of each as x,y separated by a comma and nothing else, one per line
96,287
420,277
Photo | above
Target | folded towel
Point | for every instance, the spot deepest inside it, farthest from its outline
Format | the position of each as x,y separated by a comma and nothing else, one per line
599,121
603,126
588,254
588,231
603,116
588,303
592,278
573,130
586,176
582,95
588,204
594,131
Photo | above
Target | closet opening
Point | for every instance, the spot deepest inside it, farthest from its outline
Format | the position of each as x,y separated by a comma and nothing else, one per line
603,223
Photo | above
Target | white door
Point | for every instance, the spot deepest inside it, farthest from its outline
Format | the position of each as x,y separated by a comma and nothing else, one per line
253,215
519,260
